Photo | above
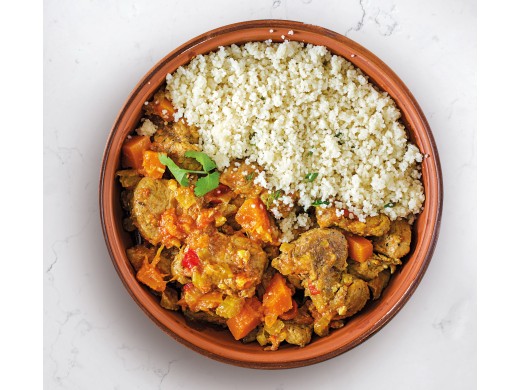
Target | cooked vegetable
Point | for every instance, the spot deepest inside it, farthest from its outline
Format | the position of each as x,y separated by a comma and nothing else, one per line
246,320
149,275
359,248
190,259
253,218
152,166
133,150
230,306
291,313
277,299
163,107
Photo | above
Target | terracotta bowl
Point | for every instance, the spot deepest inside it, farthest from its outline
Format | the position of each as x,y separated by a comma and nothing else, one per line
219,344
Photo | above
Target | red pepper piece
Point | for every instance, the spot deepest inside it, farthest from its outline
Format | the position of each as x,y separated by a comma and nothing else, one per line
313,290
190,259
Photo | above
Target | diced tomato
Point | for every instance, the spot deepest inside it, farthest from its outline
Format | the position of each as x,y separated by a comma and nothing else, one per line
190,259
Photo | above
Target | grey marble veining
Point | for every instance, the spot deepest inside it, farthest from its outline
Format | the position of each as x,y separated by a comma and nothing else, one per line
95,337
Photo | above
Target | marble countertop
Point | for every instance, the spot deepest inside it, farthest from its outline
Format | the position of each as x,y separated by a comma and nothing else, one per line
95,336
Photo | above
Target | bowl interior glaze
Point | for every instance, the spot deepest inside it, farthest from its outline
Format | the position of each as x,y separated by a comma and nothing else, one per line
219,344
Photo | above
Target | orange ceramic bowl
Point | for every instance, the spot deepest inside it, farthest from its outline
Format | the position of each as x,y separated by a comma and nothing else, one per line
217,343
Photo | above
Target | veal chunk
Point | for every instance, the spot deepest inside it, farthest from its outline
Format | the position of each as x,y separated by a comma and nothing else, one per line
373,226
319,259
396,242
175,140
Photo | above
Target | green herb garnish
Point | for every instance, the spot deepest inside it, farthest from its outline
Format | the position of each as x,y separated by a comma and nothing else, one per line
207,183
272,197
310,153
204,184
320,202
207,163
250,177
311,176
389,205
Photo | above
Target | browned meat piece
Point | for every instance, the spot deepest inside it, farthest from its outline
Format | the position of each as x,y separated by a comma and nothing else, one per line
205,316
373,226
371,268
176,140
137,254
350,298
169,299
378,284
151,198
233,265
297,334
318,258
129,178
241,179
396,242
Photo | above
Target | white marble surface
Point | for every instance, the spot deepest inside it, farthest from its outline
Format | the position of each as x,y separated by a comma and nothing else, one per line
95,337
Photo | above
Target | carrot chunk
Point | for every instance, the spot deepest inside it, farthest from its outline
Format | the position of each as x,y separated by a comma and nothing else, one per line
253,218
359,248
277,299
291,313
152,167
163,108
247,319
133,151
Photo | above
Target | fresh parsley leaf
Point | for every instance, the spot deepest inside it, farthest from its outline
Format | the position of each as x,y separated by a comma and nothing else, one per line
181,175
207,163
272,197
389,205
320,202
250,177
207,183
311,176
